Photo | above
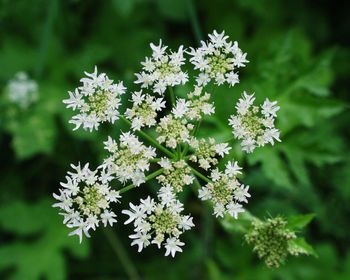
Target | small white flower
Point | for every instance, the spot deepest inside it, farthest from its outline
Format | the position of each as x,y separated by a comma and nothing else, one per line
141,240
165,163
232,169
269,108
180,108
137,213
234,209
222,149
172,246
108,218
186,223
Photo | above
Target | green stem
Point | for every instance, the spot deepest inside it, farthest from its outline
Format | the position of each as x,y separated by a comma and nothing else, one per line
200,175
178,148
150,139
194,21
149,177
172,96
121,253
46,36
184,153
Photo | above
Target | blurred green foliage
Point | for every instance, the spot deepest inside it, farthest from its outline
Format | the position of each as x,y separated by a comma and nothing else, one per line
299,55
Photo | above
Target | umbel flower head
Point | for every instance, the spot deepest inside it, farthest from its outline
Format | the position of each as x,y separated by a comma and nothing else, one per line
176,174
160,223
225,191
253,125
97,101
197,105
218,59
144,110
130,160
162,143
22,91
85,200
162,69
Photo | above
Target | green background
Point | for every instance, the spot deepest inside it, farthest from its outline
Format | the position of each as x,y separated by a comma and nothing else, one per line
299,55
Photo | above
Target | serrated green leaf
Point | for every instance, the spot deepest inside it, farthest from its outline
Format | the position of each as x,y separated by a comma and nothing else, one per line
43,257
124,7
176,10
34,135
299,221
302,246
240,225
318,80
272,165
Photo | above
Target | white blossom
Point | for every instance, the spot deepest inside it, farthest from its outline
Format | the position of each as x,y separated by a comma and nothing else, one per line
97,101
85,201
205,151
226,192
130,160
172,246
177,175
163,69
160,223
173,131
144,110
22,91
253,126
218,60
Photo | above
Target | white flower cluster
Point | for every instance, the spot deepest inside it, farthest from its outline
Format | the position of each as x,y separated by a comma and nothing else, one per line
130,160
85,200
217,60
162,69
159,223
180,155
97,101
205,151
176,174
22,91
173,131
225,191
195,107
144,110
253,126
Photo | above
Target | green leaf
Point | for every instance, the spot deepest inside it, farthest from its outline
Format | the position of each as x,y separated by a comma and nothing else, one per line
124,7
176,10
319,78
301,246
42,258
299,221
240,225
34,135
273,166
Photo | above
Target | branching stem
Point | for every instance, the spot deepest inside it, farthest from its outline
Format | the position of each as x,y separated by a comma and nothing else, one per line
149,177
150,139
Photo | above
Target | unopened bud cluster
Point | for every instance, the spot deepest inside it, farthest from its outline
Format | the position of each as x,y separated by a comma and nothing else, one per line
271,241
